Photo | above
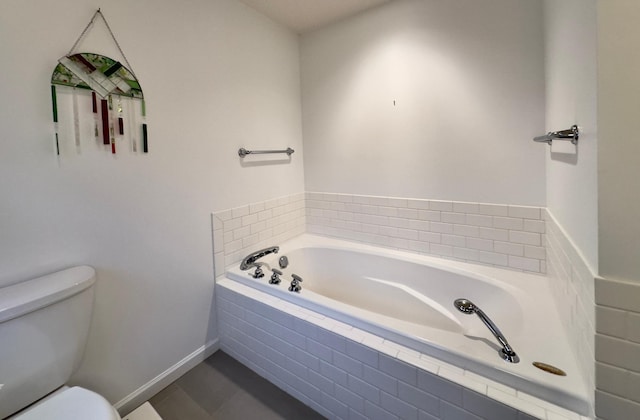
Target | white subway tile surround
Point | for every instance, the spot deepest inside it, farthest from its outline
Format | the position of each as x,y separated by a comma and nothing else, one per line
346,373
574,293
241,230
491,234
617,349
512,237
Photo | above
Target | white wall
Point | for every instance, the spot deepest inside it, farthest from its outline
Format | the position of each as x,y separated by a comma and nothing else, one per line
216,76
618,293
571,98
467,78
572,175
619,128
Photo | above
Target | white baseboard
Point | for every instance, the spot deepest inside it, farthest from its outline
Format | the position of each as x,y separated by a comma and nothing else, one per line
151,388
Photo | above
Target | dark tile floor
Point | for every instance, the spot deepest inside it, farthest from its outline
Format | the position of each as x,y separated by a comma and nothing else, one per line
222,388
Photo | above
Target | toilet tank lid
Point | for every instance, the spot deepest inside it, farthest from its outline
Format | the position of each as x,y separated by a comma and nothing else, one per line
72,404
28,296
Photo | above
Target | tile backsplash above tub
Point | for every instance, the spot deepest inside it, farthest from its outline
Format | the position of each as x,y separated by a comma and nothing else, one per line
491,234
242,230
506,236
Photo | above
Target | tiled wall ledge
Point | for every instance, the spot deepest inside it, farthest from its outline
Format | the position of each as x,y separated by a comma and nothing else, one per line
617,350
492,234
346,373
573,285
241,230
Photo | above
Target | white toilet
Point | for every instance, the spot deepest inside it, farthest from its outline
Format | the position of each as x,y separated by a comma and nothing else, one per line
44,324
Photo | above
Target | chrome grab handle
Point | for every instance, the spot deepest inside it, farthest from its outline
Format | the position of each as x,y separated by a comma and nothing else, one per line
249,260
467,307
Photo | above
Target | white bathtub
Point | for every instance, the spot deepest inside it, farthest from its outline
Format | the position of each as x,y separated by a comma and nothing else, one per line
408,299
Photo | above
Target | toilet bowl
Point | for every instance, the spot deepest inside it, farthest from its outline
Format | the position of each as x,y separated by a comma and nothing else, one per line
47,321
70,404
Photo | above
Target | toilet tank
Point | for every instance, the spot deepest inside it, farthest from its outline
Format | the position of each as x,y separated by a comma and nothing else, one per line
44,325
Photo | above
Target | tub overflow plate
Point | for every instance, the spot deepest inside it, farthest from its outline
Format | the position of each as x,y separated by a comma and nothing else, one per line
549,369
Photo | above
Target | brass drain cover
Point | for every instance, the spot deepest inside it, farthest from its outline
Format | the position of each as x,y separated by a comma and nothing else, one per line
550,369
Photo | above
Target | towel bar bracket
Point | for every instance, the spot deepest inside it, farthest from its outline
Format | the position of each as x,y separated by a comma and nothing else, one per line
572,134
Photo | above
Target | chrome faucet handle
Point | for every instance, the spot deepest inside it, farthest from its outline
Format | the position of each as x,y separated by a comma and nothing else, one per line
275,277
295,283
258,274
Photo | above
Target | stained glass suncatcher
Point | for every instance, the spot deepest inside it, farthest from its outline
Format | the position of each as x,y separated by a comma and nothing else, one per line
107,79
114,90
96,72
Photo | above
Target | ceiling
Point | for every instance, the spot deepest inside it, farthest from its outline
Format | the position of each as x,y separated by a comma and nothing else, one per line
306,15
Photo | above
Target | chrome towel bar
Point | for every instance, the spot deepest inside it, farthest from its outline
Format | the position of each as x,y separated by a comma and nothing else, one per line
571,134
242,152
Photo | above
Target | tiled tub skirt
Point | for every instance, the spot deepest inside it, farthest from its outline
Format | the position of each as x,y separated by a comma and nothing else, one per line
346,373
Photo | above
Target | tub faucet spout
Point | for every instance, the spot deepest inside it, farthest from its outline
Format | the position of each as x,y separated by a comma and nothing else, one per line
467,307
250,260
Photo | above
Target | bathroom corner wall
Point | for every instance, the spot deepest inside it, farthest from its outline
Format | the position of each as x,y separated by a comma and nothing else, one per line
618,292
571,171
571,98
245,229
490,234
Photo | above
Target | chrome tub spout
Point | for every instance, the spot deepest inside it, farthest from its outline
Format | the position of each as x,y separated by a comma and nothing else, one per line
250,260
467,307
